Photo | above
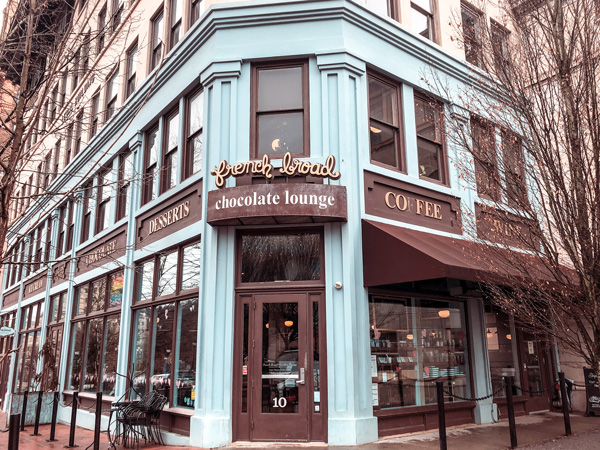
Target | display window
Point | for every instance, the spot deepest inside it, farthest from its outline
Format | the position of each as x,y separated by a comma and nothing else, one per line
165,325
415,343
54,336
94,344
502,348
29,342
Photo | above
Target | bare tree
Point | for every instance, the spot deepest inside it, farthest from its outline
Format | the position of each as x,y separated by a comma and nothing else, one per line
539,189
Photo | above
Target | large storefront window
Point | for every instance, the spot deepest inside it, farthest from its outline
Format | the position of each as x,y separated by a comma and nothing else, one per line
29,342
502,349
56,318
94,345
414,343
6,344
165,325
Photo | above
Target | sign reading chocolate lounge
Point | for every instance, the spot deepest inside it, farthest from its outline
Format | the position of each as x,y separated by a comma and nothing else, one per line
277,203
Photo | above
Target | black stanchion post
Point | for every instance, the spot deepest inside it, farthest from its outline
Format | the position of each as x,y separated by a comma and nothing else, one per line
565,403
97,424
511,412
54,415
74,406
38,412
13,432
441,415
24,410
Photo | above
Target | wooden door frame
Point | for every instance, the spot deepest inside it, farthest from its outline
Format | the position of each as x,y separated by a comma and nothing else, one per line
317,421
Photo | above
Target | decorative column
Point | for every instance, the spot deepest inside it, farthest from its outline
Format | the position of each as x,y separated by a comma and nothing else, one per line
211,425
136,149
344,111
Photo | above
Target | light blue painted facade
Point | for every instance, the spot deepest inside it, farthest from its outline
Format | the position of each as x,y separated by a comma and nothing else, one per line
341,41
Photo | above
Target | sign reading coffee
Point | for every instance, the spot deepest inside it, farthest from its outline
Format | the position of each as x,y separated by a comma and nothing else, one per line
290,167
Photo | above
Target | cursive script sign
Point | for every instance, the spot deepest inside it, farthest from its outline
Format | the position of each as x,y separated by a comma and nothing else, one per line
290,167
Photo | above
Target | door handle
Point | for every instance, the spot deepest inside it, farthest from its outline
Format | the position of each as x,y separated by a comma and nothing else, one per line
301,379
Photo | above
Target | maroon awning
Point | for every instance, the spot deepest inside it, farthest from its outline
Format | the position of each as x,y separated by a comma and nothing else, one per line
393,255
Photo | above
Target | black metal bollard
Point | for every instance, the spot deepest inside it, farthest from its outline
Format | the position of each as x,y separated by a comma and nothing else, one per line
13,432
441,415
97,424
38,412
24,410
511,411
74,406
54,415
565,403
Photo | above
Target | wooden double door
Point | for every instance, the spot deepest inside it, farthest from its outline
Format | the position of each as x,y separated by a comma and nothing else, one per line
279,383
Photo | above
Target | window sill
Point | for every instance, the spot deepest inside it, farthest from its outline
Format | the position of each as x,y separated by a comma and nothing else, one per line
179,411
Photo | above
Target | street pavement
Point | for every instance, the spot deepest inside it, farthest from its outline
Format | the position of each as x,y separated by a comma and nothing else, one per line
535,431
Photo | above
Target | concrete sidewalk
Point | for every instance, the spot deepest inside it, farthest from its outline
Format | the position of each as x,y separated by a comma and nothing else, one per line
536,431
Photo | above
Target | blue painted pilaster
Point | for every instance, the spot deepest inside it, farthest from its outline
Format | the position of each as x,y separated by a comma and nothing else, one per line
351,420
211,425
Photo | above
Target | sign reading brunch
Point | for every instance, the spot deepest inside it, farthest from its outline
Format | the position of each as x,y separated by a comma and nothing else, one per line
290,167
276,203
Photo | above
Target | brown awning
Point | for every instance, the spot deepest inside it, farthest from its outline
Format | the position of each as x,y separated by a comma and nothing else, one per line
398,255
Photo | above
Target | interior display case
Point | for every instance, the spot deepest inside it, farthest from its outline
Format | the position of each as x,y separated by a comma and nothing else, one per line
414,343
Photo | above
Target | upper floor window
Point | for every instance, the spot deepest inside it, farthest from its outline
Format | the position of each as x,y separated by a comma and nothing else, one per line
95,114
102,209
75,79
101,28
280,110
430,148
117,13
47,169
472,21
514,170
131,68
195,11
421,15
125,178
156,39
169,153
54,105
193,146
78,133
483,136
499,36
70,226
150,165
62,217
112,89
56,158
384,123
48,245
175,22
88,194
68,145
387,8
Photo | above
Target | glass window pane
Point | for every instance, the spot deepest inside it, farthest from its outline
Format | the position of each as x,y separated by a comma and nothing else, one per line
196,117
502,348
383,144
280,133
141,334
54,301
34,358
427,118
429,159
190,273
424,4
167,274
111,353
63,306
383,102
413,343
197,156
116,290
287,257
98,295
152,148
280,89
93,355
145,280
185,359
420,23
162,345
173,132
76,354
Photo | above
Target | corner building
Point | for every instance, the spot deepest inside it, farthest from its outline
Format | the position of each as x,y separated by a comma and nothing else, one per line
308,297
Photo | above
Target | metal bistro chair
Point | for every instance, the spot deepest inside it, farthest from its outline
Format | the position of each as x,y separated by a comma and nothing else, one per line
142,419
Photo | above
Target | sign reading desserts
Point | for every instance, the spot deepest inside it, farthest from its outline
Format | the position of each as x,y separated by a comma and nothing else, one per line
277,202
